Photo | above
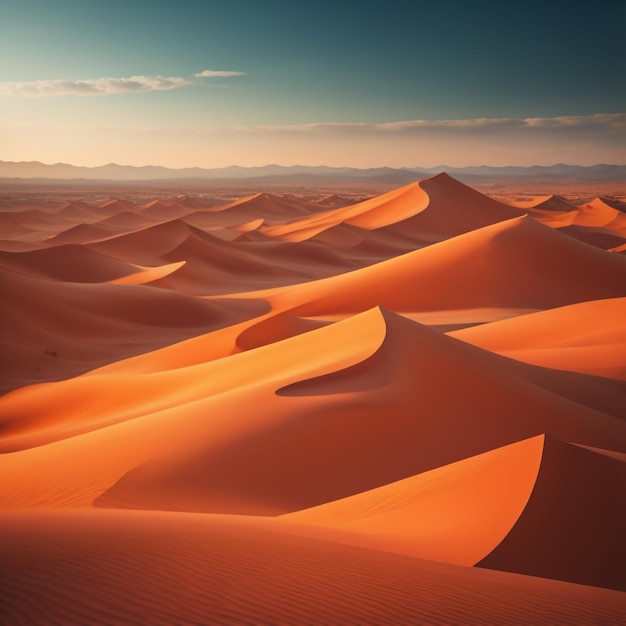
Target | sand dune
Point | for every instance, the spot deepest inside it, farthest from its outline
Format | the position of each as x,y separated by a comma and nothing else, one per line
161,568
353,390
587,337
298,408
525,508
508,264
599,213
572,527
458,513
70,262
52,329
422,212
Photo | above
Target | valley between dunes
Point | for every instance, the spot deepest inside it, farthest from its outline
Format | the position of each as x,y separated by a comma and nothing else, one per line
291,409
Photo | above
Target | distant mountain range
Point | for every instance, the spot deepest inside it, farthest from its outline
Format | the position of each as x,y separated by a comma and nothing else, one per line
60,171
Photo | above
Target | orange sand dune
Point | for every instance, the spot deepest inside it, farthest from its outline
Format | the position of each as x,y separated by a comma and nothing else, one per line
587,337
116,205
599,213
371,389
77,212
170,209
453,209
550,210
158,568
527,508
573,525
596,236
422,212
52,329
213,265
71,263
391,207
258,206
145,246
458,513
254,333
509,264
148,275
125,221
80,234
43,222
11,226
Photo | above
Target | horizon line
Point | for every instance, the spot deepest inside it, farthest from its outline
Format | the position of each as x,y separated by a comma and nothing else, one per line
334,167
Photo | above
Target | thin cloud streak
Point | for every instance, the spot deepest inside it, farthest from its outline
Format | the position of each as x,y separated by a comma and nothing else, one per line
615,121
92,87
218,74
103,86
612,122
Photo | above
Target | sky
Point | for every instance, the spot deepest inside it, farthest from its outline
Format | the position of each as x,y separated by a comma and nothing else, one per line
339,83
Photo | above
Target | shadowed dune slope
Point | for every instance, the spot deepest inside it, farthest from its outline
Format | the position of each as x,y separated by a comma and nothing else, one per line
573,525
540,507
137,568
53,329
70,263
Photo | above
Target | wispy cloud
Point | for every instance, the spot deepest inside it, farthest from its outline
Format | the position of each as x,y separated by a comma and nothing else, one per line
103,86
92,87
597,123
218,74
613,121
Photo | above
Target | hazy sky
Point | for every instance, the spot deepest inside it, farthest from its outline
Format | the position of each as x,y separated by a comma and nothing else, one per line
252,82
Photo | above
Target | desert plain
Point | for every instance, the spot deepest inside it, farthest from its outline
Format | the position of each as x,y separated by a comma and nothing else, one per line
402,406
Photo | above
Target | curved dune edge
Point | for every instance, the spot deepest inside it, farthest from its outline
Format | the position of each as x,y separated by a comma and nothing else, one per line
428,210
44,413
140,568
386,414
202,426
148,275
573,525
455,514
504,265
587,337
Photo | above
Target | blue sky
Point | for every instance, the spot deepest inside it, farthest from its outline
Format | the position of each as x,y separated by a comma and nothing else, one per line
337,83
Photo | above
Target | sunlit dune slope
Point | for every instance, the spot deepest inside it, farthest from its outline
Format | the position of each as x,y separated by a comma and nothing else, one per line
518,263
373,390
599,213
540,507
587,337
457,513
422,212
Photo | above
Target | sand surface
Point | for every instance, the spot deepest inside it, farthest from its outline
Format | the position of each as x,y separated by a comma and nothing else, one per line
296,409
